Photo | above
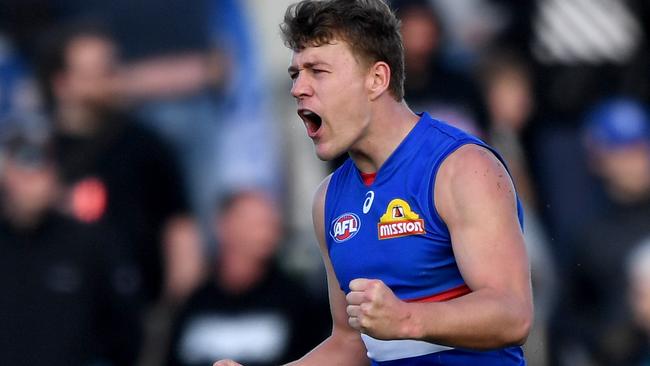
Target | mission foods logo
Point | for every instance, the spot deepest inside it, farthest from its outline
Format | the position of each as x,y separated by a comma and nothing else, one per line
399,221
345,227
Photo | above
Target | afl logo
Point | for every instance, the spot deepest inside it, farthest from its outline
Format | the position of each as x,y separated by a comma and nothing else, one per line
345,227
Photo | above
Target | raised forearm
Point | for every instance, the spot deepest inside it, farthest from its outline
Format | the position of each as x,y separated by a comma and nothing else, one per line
484,319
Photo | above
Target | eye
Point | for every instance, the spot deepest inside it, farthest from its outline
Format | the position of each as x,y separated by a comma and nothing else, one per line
318,71
293,75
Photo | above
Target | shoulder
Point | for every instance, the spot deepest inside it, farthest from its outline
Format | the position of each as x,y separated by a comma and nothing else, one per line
318,209
459,164
470,175
320,195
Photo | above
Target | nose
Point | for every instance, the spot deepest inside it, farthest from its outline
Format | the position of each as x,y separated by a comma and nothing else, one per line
301,87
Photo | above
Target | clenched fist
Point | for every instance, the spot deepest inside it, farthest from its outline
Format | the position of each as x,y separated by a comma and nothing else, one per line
374,310
226,363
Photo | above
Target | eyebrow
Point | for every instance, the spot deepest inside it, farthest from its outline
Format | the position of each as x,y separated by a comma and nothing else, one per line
306,65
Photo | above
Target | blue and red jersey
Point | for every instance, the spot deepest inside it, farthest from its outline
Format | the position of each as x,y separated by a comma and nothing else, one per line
390,230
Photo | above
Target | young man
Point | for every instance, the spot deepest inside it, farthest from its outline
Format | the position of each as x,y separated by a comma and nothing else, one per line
419,229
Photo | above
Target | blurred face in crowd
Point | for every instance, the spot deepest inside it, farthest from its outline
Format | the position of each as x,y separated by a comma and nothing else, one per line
626,171
250,228
509,100
28,189
331,86
89,77
421,37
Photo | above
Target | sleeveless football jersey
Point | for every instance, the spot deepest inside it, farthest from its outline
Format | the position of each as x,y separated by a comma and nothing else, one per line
390,230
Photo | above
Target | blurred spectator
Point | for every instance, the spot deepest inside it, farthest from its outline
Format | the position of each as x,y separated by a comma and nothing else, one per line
582,52
195,87
514,25
594,321
471,25
507,87
638,291
184,259
584,49
430,84
185,270
190,71
69,295
508,91
114,171
618,139
249,309
17,89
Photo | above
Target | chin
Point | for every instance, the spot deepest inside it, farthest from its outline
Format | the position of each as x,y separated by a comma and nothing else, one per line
324,157
326,154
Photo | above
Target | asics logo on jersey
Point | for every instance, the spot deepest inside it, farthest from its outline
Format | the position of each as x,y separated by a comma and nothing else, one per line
345,227
399,220
370,196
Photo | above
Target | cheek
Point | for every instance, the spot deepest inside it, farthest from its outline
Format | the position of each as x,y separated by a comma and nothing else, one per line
349,100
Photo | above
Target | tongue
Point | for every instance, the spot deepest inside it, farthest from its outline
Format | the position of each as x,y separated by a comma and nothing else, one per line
313,123
312,126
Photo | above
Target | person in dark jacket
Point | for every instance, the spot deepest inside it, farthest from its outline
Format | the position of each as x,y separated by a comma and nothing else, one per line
250,308
69,295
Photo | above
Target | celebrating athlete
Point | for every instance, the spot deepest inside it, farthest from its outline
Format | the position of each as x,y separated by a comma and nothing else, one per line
420,229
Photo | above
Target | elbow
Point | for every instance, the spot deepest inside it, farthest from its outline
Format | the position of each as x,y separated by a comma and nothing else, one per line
520,329
514,329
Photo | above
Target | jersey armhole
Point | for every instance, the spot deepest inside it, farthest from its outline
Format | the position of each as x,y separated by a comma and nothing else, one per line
434,211
327,208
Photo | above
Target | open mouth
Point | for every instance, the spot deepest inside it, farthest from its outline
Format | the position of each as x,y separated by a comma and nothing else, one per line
312,121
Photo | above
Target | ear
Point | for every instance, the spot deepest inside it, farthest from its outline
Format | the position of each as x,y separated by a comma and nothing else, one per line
378,79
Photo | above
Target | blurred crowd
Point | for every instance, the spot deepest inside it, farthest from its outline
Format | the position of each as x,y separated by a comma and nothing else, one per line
155,183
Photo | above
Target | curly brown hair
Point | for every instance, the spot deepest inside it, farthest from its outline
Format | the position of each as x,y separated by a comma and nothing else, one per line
368,26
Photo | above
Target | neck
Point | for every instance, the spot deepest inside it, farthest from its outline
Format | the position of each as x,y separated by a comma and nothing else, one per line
390,123
77,121
627,198
238,273
23,219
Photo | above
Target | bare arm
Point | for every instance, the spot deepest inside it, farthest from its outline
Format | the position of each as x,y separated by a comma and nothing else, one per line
475,198
344,346
170,76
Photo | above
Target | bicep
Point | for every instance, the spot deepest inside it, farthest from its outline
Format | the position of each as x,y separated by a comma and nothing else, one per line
476,199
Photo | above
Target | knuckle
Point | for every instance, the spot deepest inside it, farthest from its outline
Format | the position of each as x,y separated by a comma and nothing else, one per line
374,287
365,308
371,295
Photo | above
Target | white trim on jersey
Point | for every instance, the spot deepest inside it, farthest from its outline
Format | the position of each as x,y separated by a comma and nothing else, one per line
380,350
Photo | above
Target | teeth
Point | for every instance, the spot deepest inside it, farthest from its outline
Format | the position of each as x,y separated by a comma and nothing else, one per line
308,113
